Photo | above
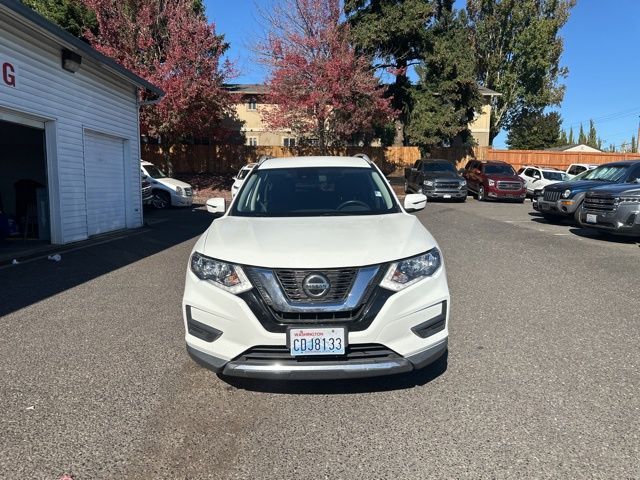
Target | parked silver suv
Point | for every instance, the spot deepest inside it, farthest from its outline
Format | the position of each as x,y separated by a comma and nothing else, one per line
613,208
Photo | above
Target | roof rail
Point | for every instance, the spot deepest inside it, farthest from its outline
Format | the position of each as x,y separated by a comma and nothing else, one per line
365,157
263,158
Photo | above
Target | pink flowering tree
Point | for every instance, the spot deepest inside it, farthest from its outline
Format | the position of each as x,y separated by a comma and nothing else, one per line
170,44
320,87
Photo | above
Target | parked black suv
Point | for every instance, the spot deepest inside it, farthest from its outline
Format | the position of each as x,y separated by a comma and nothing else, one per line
435,179
613,208
564,199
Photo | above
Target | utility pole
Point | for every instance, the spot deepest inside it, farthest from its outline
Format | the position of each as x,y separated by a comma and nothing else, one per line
638,137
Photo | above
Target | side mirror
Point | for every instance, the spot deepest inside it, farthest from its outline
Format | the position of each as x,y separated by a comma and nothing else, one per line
144,177
216,205
234,178
414,202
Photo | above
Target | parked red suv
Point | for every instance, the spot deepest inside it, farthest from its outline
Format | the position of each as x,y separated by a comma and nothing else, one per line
490,179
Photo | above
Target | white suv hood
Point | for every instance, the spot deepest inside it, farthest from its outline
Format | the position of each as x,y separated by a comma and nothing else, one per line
315,242
172,182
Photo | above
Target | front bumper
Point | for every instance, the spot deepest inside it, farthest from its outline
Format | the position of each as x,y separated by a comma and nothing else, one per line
445,194
319,370
565,207
227,329
181,201
495,194
624,220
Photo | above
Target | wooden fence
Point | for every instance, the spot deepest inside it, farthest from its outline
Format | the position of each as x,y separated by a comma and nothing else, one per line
225,159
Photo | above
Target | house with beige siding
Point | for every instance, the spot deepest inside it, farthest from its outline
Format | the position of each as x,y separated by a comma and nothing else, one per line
250,103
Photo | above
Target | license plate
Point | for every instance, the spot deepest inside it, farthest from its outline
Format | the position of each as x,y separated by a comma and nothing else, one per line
591,218
543,206
446,196
317,341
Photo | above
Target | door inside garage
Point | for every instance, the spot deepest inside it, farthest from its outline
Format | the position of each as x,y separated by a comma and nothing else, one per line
105,183
24,196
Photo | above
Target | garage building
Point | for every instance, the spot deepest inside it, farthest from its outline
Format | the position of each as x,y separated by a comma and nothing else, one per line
69,134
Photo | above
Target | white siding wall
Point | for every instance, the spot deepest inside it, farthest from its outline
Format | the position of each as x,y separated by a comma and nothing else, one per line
89,99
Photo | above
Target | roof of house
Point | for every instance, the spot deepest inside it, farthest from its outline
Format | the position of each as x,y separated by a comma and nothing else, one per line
563,148
247,88
25,15
261,89
487,92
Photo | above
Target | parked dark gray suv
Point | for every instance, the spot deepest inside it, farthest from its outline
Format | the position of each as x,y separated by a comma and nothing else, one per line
435,179
563,199
613,208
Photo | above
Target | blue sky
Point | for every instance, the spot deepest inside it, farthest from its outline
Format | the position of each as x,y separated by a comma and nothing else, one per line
602,52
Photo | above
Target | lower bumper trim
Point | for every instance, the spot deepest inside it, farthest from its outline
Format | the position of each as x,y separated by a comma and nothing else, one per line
320,370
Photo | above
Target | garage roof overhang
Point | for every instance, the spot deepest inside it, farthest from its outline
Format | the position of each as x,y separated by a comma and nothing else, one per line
24,15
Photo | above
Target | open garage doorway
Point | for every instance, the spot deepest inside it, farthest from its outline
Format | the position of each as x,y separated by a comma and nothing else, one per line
24,193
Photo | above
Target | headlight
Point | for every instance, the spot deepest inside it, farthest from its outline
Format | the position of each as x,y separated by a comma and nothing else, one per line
407,272
179,191
491,183
429,183
629,199
566,193
463,183
227,276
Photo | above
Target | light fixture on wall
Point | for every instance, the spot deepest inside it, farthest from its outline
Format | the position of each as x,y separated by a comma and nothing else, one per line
71,61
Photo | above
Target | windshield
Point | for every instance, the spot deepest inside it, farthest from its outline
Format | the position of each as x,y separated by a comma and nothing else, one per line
154,172
607,173
559,176
438,167
242,173
499,170
310,192
579,176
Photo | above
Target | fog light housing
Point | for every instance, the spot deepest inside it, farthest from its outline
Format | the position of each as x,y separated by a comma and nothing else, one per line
433,325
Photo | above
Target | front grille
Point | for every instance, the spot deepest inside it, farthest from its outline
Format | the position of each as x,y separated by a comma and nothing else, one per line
281,354
317,317
551,195
509,185
447,185
600,203
275,320
341,282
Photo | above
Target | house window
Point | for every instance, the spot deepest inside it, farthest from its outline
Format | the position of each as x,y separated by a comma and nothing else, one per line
252,141
289,142
253,104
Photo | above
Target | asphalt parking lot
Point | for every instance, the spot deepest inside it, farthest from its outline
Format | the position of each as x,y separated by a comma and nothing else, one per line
542,378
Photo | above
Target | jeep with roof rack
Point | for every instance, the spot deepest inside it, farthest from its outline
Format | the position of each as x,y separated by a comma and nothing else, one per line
316,271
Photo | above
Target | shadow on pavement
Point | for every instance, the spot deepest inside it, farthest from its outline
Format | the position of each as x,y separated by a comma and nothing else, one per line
27,283
550,219
594,234
344,387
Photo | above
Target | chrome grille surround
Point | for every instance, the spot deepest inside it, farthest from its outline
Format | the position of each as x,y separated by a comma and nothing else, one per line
504,185
447,185
552,195
599,202
340,280
273,295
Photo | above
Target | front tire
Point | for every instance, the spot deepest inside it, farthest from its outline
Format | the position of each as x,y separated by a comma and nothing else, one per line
576,217
161,200
481,196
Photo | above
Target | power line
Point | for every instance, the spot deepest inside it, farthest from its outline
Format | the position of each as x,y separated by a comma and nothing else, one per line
608,117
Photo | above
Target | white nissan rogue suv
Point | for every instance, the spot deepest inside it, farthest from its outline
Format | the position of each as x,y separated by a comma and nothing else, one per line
316,272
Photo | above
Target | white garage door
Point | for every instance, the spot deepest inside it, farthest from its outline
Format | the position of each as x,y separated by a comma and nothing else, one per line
104,174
